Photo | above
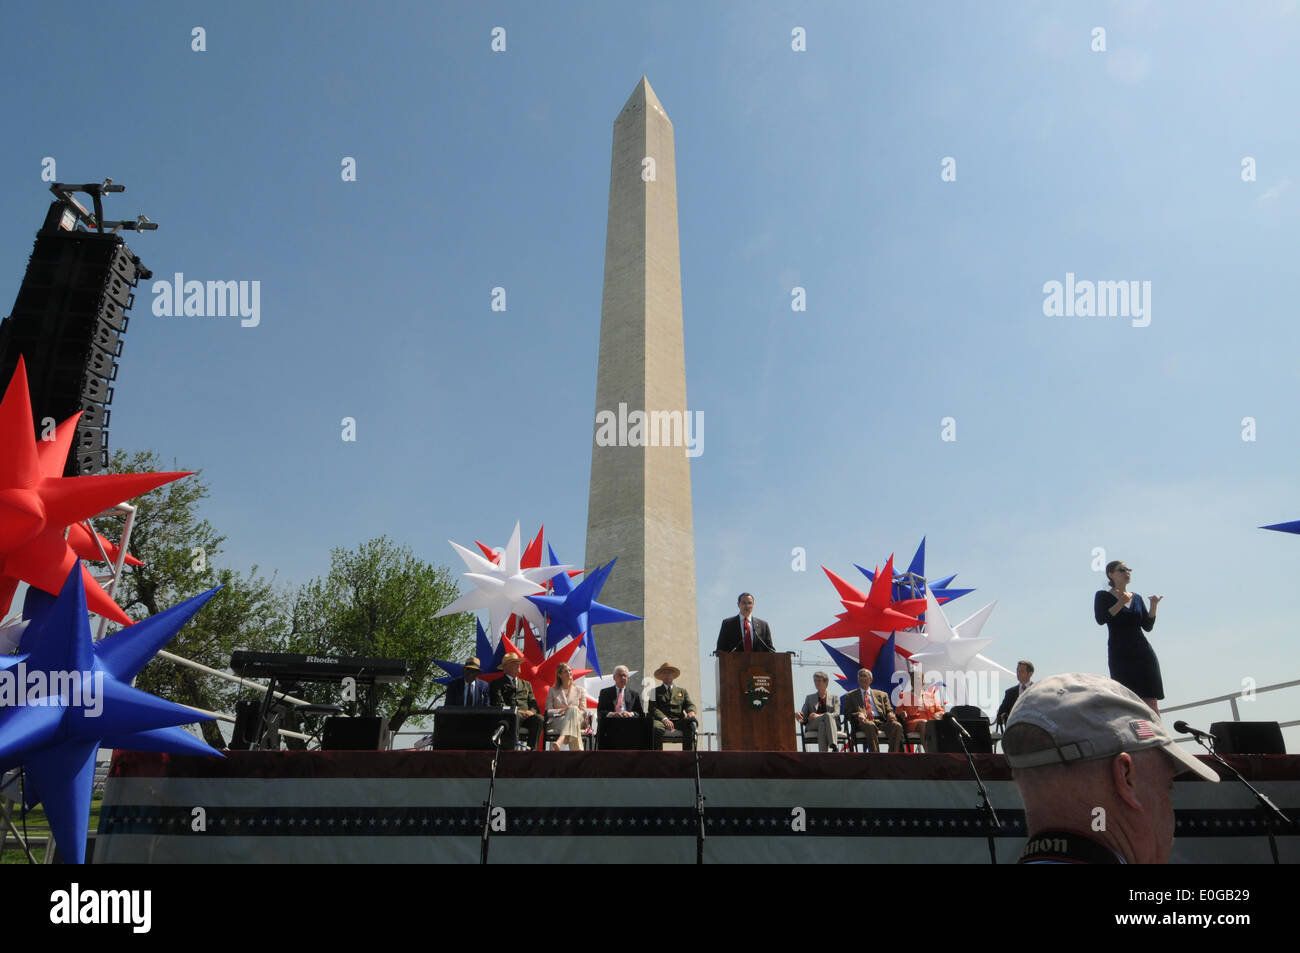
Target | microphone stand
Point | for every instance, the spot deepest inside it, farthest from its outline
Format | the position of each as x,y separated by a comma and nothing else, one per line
985,805
699,808
1270,810
492,786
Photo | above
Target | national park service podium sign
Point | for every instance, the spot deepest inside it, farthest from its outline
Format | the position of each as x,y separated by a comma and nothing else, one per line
755,702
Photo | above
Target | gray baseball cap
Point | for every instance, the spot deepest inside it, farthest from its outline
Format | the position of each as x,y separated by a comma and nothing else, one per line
1091,717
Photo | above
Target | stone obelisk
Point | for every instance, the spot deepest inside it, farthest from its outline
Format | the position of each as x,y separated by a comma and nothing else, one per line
639,508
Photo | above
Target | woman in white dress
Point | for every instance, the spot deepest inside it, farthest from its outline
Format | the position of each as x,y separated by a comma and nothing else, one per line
566,710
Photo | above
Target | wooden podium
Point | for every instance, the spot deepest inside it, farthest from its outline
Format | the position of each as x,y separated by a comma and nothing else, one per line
755,701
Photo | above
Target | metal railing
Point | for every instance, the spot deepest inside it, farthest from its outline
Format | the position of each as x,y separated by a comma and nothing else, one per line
1232,700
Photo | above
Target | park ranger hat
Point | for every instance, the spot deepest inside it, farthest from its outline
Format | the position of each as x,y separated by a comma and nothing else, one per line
1090,717
667,669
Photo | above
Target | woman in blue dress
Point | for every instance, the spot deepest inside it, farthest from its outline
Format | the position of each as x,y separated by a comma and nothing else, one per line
1133,662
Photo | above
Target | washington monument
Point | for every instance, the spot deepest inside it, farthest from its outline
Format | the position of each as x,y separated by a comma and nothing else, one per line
639,508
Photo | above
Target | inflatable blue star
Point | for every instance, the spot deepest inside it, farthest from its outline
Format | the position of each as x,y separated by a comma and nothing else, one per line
882,672
882,667
488,658
911,584
63,696
849,666
1292,527
573,610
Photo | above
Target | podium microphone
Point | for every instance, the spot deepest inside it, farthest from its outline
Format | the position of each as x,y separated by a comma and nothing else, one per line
496,735
1184,728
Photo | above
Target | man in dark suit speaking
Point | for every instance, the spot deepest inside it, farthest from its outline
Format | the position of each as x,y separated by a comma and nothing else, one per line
743,632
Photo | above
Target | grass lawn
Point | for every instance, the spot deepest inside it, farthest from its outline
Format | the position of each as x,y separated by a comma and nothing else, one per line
38,826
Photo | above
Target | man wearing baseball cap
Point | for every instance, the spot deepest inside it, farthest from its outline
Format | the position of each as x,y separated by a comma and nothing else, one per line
1095,767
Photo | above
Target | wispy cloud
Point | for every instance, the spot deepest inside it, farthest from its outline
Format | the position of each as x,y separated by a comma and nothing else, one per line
1274,194
1128,66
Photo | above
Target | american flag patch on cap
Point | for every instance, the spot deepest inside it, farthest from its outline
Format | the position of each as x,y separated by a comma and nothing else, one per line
1143,729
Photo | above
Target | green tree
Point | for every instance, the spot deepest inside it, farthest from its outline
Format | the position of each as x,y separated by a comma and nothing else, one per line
379,600
179,550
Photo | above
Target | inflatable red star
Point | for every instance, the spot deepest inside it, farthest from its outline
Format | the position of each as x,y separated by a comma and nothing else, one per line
541,674
36,505
531,559
869,613
87,546
51,454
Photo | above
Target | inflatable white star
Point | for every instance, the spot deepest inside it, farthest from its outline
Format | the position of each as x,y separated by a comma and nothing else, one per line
944,647
502,587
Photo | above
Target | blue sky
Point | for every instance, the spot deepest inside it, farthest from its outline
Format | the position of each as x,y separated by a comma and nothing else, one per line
817,169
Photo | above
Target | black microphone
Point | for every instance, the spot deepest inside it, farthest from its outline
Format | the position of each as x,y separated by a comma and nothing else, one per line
1183,727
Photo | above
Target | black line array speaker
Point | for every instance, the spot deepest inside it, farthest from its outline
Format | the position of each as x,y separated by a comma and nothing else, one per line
67,324
1248,737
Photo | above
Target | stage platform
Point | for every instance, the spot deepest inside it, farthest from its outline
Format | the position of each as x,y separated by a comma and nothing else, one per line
322,807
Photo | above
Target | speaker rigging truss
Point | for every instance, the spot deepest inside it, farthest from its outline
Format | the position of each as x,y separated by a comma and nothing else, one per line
70,316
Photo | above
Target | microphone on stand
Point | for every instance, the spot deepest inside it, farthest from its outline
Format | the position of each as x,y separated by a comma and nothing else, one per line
1183,727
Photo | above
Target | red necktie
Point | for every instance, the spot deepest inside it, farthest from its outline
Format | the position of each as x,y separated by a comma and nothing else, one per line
749,638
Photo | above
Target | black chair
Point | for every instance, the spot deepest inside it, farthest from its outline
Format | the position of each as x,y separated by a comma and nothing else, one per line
858,738
809,737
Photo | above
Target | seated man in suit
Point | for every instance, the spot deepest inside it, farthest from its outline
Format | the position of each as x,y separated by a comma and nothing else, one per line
511,691
616,703
821,713
672,708
468,691
619,701
868,710
743,633
1024,672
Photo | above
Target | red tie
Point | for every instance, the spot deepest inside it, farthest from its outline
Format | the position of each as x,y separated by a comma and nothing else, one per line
749,638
